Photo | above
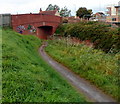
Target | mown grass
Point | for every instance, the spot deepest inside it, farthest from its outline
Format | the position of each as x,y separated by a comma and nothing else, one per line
94,65
26,77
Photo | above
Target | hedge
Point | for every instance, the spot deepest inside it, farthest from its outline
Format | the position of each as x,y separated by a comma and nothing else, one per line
102,35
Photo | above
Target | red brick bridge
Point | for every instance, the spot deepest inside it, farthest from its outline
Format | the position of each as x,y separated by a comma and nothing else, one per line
42,24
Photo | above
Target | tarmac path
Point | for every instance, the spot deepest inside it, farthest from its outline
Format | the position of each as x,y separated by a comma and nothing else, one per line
91,92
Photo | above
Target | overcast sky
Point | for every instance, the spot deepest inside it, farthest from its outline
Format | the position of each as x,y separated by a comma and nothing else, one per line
33,6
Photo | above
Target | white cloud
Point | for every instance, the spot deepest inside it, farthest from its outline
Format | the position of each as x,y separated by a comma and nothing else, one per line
27,6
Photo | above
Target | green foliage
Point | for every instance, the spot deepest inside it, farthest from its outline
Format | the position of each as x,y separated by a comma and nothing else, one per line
64,12
119,31
82,12
94,65
0,64
60,30
100,34
52,7
26,77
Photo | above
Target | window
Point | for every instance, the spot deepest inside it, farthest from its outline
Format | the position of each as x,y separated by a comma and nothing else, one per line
113,19
119,11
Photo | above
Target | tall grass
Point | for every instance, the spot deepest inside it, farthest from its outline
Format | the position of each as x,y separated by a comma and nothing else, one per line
26,77
94,65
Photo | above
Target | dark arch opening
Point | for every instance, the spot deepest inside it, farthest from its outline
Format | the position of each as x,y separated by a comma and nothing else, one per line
43,32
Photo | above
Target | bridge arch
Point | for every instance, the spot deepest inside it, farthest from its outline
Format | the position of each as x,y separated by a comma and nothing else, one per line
43,32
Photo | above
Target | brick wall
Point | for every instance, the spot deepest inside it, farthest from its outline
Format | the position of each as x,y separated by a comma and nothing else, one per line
31,23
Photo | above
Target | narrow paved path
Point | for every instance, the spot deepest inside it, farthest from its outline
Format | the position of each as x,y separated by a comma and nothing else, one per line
91,93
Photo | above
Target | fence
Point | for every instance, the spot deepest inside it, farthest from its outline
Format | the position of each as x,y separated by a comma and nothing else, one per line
5,20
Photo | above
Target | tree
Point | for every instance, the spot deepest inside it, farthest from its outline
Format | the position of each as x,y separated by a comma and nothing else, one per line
84,13
64,12
52,7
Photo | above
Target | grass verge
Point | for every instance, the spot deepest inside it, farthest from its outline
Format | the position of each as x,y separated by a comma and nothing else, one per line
94,65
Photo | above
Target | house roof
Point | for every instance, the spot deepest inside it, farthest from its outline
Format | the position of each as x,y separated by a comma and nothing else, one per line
100,14
50,12
117,6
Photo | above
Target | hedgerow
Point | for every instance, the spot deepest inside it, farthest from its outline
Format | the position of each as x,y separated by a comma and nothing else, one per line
102,35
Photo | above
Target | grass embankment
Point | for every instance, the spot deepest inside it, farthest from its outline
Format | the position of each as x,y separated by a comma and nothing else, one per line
94,65
26,77
0,64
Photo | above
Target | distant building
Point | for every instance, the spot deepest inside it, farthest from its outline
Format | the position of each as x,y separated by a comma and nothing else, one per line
113,14
71,19
99,16
5,20
50,12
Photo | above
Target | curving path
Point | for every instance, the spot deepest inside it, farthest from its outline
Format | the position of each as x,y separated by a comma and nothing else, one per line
91,93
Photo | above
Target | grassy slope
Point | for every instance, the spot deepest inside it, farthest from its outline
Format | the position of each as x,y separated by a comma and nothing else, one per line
0,64
26,77
94,65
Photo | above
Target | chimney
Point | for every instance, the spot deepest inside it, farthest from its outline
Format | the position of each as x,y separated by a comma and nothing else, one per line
40,10
119,3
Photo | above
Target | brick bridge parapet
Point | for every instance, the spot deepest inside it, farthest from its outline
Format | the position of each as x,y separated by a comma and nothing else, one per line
41,25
